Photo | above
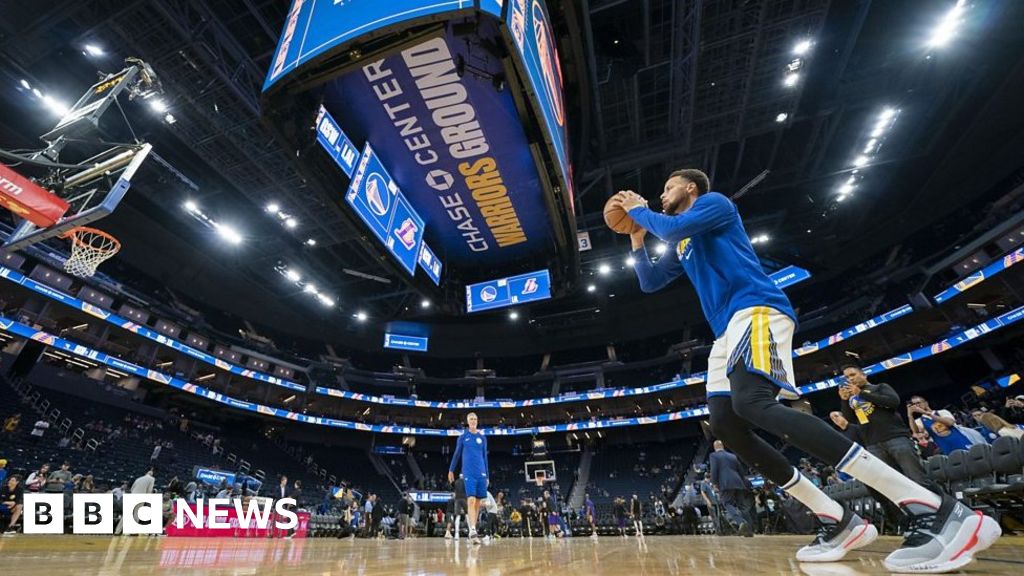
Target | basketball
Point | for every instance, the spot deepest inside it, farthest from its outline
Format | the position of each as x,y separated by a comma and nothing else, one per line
617,219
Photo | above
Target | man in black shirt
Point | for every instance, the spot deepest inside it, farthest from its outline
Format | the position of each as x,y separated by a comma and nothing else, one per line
884,434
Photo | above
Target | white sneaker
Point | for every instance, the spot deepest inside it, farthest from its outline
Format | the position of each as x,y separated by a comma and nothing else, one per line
447,535
943,540
835,540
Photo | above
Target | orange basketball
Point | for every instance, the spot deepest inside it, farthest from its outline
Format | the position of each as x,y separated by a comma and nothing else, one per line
617,219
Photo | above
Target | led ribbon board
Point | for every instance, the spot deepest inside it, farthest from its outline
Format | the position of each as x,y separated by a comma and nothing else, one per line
508,291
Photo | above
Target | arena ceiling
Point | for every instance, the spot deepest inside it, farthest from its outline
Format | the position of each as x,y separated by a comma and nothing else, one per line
652,85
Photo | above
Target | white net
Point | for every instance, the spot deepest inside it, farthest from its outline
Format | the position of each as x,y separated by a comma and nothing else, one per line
89,249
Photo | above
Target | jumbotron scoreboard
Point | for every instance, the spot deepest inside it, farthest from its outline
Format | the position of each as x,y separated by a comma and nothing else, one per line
439,127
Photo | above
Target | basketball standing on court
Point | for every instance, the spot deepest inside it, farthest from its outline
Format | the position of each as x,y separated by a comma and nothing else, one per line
751,362
471,453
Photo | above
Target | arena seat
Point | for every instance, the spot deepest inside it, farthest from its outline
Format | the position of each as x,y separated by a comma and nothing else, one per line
959,474
979,465
935,467
1006,467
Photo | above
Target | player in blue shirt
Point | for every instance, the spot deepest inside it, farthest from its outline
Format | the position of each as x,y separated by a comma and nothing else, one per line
471,452
751,363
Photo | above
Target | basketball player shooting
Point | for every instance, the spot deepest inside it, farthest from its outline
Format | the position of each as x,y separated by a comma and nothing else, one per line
471,454
751,364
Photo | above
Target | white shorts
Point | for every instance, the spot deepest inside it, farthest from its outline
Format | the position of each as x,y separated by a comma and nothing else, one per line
760,337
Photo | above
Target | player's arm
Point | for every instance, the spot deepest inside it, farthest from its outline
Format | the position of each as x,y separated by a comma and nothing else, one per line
487,474
455,457
655,276
715,471
708,213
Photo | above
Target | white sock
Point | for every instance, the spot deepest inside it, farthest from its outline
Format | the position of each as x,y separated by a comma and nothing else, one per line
903,491
809,495
457,526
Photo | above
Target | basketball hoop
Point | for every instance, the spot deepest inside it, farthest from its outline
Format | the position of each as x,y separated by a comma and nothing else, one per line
89,248
540,477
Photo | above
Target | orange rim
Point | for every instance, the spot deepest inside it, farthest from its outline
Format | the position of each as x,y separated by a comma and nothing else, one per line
74,232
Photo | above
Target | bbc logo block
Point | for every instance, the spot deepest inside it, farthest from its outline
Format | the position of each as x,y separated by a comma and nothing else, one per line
93,514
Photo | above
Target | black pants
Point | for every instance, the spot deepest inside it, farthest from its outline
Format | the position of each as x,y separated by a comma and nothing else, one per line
753,404
739,507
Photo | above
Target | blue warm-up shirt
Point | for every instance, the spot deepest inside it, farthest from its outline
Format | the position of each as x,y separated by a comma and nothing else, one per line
472,448
712,247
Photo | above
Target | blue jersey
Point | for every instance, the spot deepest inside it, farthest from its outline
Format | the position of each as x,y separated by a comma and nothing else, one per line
713,249
946,438
472,449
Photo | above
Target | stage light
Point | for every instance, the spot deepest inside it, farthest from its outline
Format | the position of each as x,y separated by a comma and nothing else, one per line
604,269
591,288
311,242
791,80
781,117
861,160
661,248
326,300
228,233
871,146
293,275
309,289
291,223
840,198
513,315
25,84
158,105
94,50
802,47
191,206
630,261
273,208
55,106
887,114
37,92
169,118
948,26
845,189
361,316
425,304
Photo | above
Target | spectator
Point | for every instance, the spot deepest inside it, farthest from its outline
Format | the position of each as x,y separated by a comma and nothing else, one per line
11,423
997,425
191,490
64,442
728,477
88,485
40,428
37,480
11,501
156,452
58,479
940,426
405,509
144,484
3,471
282,489
884,435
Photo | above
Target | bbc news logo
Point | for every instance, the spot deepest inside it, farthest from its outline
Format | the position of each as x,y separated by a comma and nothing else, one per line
143,514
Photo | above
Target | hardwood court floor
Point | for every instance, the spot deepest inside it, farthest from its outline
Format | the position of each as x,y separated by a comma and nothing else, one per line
655,555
